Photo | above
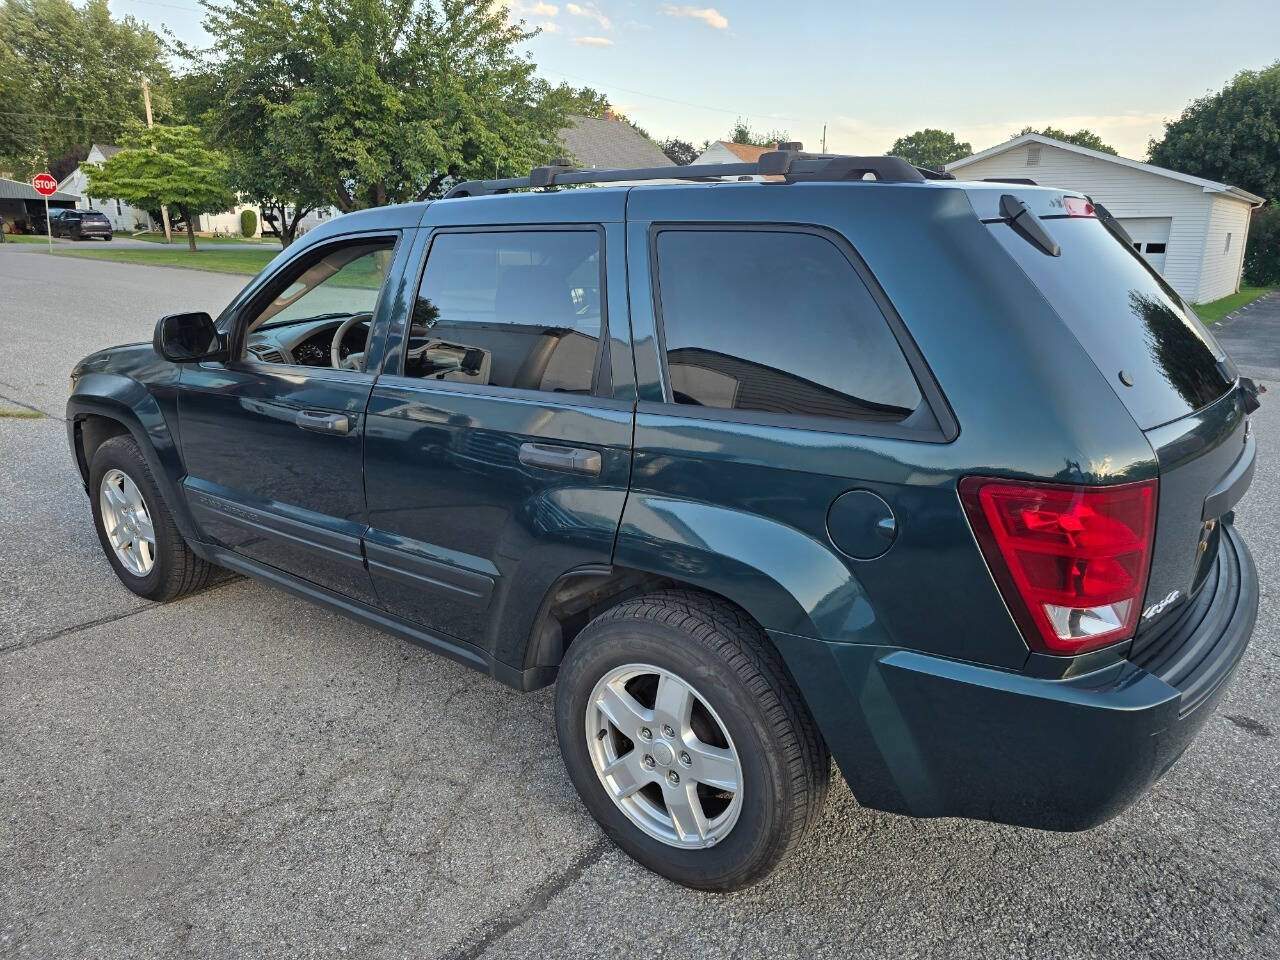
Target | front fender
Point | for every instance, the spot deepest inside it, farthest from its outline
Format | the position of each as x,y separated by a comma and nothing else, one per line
135,407
788,581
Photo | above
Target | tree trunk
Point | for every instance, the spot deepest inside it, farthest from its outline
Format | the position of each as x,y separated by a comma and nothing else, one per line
191,229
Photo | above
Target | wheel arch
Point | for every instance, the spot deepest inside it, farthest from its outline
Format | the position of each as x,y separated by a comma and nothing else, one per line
97,412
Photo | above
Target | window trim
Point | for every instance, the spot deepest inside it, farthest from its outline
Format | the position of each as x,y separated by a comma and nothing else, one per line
932,421
238,343
601,372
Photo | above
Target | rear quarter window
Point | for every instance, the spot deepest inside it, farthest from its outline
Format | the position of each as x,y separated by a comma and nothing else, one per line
776,322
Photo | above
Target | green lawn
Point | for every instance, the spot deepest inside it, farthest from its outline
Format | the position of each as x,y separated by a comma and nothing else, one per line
1215,311
25,238
247,260
221,239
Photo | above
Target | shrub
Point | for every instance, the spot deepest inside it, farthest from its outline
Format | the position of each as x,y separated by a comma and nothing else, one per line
248,223
1262,255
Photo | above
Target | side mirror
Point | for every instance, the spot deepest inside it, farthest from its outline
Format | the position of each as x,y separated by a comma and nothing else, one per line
189,338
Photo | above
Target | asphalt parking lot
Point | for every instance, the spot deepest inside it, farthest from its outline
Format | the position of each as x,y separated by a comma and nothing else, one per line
241,774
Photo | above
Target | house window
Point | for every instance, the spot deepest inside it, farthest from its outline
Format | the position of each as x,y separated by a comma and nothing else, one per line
1155,248
1033,156
1227,246
117,208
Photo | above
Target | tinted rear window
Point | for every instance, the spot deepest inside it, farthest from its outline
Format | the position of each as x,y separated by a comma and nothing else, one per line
93,216
1126,318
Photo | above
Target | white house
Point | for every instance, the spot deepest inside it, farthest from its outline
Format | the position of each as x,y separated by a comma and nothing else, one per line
725,151
1191,230
123,217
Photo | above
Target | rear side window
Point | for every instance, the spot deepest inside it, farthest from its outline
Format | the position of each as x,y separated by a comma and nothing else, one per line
778,322
509,309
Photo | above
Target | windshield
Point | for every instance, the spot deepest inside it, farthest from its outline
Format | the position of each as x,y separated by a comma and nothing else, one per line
1127,318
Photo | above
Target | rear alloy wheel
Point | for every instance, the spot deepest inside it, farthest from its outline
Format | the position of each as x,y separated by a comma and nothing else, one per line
664,756
688,741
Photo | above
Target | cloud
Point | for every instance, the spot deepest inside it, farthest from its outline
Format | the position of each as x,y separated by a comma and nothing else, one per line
592,41
549,26
708,15
591,12
519,9
544,9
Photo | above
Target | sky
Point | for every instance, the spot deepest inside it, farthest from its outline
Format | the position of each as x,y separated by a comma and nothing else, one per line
873,72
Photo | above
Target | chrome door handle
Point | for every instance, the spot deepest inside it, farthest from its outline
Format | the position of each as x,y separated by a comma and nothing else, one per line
337,423
550,456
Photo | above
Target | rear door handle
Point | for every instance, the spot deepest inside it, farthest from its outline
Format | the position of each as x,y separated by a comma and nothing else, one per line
550,456
337,423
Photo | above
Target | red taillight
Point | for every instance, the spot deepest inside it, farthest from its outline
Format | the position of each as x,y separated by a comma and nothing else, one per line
1071,562
1078,207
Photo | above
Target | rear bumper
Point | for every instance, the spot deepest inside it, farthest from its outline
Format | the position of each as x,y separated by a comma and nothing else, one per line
929,737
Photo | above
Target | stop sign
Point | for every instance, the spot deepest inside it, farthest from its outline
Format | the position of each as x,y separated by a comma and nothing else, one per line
45,184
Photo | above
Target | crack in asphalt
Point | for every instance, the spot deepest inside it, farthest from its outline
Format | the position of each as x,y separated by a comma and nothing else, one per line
538,900
101,621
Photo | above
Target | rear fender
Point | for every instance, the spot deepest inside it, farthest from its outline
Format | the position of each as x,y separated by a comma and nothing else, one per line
787,580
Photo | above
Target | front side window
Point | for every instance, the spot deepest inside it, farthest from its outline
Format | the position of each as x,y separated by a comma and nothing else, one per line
323,313
778,322
511,309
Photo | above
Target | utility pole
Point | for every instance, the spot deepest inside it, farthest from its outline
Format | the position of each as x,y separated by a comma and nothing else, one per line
824,138
164,210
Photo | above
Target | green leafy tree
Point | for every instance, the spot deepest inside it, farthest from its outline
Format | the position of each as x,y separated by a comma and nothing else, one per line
69,76
1262,255
1081,138
742,133
368,102
1232,136
167,166
679,152
930,148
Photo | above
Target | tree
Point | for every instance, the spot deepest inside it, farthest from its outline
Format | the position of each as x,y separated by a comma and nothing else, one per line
369,102
679,151
1232,136
1262,255
742,133
166,166
930,148
1081,138
70,76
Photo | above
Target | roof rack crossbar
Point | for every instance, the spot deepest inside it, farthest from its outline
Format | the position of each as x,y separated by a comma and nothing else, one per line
790,164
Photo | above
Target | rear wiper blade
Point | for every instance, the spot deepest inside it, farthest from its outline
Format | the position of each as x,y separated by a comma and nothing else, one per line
1027,225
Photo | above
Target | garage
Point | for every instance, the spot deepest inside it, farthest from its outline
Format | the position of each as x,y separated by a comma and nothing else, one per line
22,209
1192,231
1150,237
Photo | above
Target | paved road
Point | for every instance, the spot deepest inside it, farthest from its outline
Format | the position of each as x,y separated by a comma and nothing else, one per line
241,774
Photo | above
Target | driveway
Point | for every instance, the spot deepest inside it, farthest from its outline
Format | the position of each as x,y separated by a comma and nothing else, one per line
241,774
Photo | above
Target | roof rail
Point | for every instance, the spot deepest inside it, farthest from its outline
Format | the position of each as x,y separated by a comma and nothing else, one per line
793,165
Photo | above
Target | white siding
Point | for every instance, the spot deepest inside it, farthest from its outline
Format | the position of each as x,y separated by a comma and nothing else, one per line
718,153
1126,193
1220,275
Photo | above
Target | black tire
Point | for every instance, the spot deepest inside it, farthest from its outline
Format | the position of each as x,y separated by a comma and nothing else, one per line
729,659
177,571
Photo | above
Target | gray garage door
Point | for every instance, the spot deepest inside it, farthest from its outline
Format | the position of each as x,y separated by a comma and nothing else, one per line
1150,237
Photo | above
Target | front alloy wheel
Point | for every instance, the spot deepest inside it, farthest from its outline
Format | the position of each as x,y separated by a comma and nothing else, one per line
663,756
127,522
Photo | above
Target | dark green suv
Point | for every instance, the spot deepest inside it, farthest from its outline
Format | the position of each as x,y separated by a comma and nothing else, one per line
935,477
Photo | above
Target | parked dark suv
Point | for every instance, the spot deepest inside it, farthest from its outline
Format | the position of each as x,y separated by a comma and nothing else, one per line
82,225
935,476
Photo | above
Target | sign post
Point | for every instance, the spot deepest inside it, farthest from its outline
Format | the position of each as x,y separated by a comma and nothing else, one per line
46,186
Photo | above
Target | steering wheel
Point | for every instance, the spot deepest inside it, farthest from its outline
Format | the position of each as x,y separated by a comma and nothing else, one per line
354,361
